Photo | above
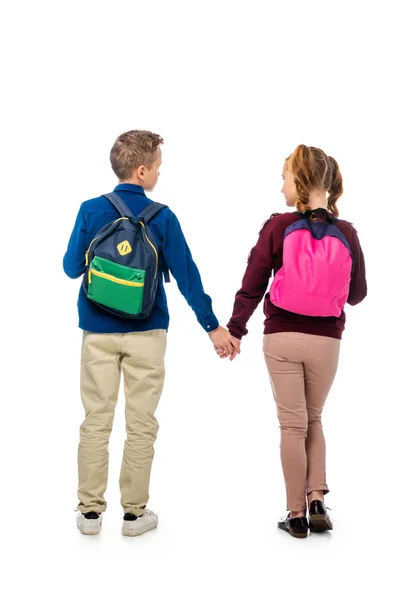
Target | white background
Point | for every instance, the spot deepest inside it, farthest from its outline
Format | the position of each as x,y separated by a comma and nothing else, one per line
233,87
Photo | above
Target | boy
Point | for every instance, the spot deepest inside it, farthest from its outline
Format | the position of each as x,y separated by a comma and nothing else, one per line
112,344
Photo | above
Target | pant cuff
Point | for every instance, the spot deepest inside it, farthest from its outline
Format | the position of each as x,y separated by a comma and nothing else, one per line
138,511
318,488
296,507
86,509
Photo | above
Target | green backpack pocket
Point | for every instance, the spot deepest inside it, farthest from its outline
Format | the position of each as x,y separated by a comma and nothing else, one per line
116,286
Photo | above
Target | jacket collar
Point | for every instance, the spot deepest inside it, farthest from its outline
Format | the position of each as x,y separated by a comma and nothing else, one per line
129,187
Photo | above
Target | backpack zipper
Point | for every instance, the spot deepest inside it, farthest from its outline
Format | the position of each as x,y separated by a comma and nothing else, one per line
114,279
120,219
155,251
88,250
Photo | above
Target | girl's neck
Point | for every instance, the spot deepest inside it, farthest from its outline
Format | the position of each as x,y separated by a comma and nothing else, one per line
317,199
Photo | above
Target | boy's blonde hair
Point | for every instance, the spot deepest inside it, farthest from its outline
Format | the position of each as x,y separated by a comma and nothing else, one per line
133,149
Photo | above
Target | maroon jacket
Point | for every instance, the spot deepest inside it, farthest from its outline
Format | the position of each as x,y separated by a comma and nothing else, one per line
265,257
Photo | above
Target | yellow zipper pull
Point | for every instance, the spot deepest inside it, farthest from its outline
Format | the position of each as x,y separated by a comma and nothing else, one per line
90,277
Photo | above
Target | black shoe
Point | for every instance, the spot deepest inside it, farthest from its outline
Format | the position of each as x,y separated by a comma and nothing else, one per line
297,527
319,518
91,515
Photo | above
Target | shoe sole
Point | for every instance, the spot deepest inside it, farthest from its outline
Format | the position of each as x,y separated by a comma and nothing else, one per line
293,533
88,531
320,523
141,531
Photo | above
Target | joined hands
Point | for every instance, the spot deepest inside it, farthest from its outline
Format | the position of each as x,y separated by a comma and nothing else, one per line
224,343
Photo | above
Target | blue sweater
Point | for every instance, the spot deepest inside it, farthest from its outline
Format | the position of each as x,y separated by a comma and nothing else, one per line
174,251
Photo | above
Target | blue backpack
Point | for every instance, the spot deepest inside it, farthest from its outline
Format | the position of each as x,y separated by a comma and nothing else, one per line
123,265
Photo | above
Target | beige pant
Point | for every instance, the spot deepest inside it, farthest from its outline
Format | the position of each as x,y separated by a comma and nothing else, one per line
140,357
302,368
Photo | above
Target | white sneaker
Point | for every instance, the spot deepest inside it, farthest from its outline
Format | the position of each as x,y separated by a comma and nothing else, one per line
89,526
142,524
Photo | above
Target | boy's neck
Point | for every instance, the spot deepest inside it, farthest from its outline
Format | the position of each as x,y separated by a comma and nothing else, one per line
132,181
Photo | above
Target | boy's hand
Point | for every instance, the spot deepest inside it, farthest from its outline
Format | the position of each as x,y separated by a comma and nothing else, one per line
223,354
222,339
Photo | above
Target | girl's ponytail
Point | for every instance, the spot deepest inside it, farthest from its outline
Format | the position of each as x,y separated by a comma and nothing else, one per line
336,187
301,164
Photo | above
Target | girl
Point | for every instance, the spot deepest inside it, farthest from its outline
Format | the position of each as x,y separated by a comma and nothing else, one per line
318,265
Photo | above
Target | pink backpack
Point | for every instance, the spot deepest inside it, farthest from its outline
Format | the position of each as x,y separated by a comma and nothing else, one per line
317,266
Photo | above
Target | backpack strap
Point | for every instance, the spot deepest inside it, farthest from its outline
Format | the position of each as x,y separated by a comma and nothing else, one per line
148,213
119,204
151,211
318,211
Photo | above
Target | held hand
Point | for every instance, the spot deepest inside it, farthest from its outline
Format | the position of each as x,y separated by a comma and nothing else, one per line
223,354
223,340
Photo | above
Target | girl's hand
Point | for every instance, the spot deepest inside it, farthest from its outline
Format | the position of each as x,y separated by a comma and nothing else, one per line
222,353
223,340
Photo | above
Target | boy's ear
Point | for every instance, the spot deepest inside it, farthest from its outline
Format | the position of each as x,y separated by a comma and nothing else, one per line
141,171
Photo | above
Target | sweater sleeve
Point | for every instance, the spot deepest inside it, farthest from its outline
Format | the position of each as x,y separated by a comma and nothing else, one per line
179,261
255,282
74,259
358,284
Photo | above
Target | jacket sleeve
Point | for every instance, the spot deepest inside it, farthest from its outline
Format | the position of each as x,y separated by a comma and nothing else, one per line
74,259
255,282
358,284
179,261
